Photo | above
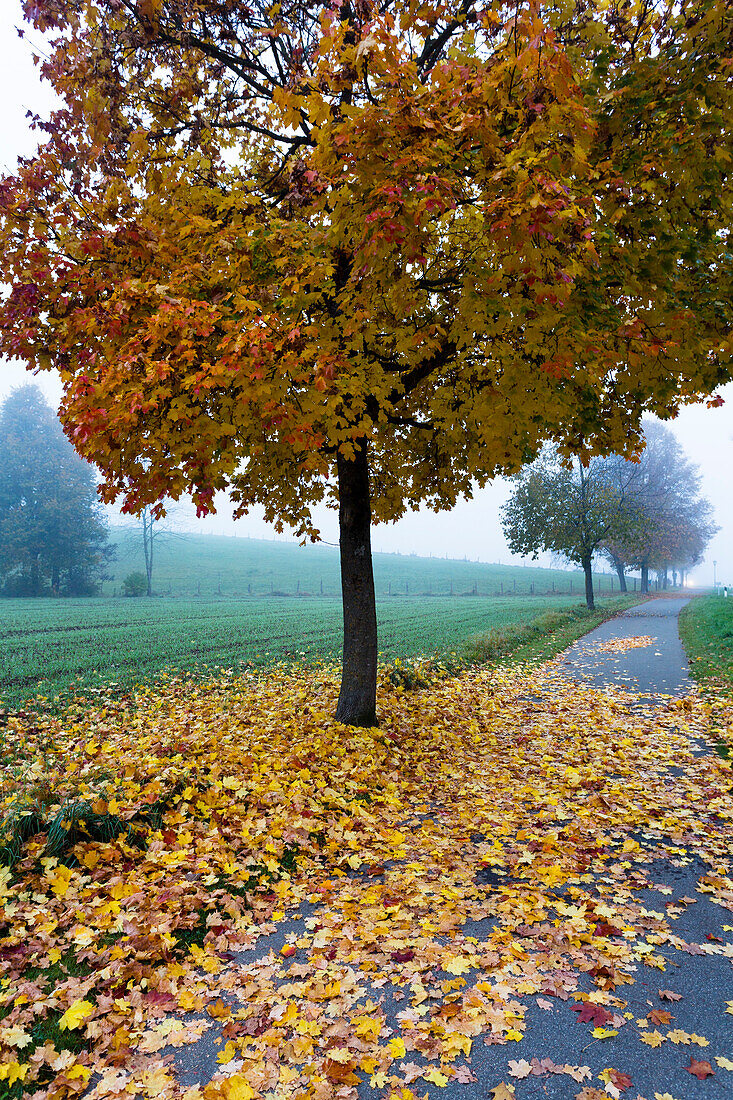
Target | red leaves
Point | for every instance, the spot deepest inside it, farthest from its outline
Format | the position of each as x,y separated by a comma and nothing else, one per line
589,1012
406,955
619,1080
701,1070
658,1016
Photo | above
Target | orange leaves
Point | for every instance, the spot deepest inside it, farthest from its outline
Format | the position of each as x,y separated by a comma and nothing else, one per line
263,802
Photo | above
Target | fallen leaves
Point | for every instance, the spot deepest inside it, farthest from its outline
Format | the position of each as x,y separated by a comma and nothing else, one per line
159,934
76,1014
701,1070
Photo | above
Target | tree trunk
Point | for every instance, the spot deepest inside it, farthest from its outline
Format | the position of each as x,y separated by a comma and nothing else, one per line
148,521
55,579
588,570
357,703
619,567
35,575
645,579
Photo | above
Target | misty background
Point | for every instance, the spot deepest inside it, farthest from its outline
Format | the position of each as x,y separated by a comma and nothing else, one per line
472,529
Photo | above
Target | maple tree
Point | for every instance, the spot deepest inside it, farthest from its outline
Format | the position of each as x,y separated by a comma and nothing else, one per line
368,254
569,508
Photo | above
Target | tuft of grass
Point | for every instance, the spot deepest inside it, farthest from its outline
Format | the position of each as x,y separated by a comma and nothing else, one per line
706,629
544,636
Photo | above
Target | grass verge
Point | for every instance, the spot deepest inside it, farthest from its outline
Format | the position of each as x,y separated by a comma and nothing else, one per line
706,629
545,636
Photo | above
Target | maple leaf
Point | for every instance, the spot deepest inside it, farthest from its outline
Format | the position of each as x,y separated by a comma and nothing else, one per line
503,1091
652,1038
668,995
620,1081
76,1014
701,1070
396,1048
520,1069
659,1016
587,1011
724,1063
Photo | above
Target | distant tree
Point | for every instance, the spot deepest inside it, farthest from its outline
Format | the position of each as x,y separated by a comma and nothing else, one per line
53,533
135,584
150,531
572,511
674,523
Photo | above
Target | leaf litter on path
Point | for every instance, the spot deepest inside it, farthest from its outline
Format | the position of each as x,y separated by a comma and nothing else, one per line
483,852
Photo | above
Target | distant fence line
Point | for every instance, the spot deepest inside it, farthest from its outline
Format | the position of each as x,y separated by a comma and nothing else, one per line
604,585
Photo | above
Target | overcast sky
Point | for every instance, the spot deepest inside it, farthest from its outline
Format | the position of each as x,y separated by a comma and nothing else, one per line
472,529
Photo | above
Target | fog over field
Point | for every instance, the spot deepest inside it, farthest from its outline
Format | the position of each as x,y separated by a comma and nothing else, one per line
472,529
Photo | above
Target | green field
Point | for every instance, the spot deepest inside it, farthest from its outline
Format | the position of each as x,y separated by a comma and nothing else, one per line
212,565
706,628
57,647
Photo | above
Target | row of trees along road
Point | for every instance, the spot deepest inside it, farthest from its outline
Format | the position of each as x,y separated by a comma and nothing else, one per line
53,532
374,254
641,515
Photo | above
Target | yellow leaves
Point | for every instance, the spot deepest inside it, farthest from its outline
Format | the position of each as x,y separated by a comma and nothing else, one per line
435,1077
724,1063
229,1052
457,964
79,1072
367,1027
678,1036
59,878
503,1092
513,1035
396,1048
652,1038
236,1088
603,1033
75,1015
13,1071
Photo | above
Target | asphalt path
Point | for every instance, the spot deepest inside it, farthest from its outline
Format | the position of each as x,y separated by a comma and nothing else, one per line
656,669
639,651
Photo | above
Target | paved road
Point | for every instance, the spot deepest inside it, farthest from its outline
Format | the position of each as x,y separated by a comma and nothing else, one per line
656,666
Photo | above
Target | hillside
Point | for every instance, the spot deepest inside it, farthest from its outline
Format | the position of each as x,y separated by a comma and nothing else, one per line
208,565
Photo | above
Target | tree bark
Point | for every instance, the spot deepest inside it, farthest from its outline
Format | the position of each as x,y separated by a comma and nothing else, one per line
357,703
35,575
147,521
645,579
619,567
588,570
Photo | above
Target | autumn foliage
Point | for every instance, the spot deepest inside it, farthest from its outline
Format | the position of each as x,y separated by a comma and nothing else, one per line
479,857
369,253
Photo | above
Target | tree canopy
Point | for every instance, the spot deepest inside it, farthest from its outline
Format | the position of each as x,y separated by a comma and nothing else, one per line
674,523
571,510
370,254
52,529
